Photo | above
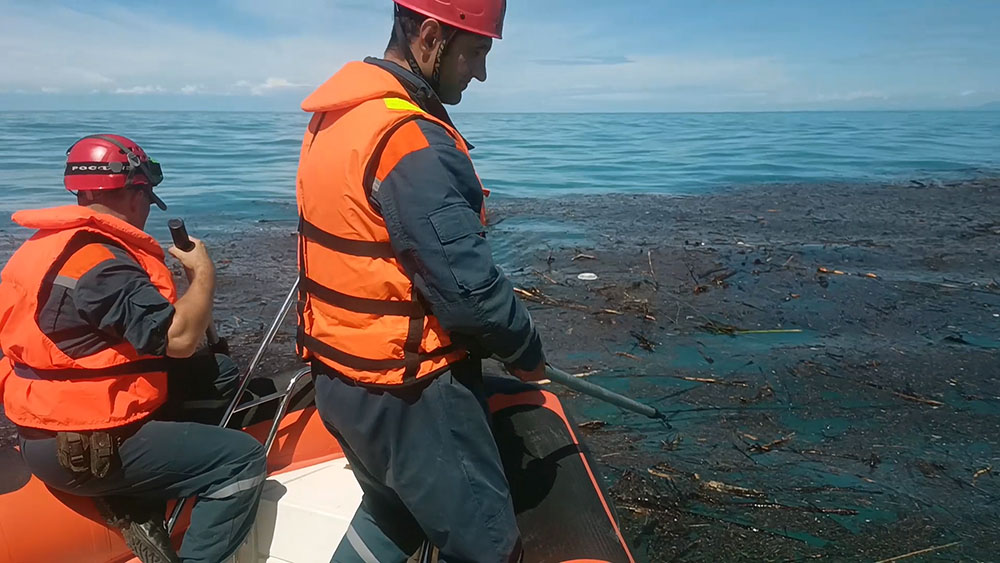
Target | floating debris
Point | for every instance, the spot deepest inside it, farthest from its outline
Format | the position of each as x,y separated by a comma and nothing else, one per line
718,328
592,425
915,399
587,276
644,343
770,331
823,270
813,509
610,312
576,375
981,472
657,473
710,380
764,448
720,487
671,445
868,275
919,552
536,295
652,274
664,471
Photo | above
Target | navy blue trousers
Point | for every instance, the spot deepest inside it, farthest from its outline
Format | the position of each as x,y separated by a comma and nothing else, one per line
179,453
428,465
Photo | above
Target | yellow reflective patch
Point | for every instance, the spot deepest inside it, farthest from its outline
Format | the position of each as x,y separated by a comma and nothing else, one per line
400,104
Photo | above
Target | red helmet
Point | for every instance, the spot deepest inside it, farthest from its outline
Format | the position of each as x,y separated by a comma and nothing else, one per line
110,162
483,17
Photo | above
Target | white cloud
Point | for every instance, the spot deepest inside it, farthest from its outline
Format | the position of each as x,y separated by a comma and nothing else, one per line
635,82
148,48
852,96
270,85
185,57
42,49
139,90
551,67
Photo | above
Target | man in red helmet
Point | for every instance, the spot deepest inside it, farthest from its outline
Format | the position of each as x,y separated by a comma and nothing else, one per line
100,371
400,297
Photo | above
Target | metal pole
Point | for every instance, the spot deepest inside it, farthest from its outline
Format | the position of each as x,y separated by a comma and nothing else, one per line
244,381
426,553
598,392
271,333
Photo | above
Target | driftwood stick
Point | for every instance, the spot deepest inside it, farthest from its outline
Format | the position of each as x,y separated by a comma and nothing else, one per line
919,552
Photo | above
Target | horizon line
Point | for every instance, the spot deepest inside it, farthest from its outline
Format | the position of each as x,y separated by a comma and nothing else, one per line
462,112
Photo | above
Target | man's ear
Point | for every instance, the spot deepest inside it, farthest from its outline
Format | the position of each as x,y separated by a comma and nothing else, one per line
137,199
430,36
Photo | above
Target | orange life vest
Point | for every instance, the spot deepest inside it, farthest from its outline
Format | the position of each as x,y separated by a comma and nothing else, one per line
45,388
358,310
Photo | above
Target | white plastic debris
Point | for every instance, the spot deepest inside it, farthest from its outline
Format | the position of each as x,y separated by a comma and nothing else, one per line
587,276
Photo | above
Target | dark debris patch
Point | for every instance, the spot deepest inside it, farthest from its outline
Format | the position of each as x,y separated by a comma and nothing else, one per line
827,357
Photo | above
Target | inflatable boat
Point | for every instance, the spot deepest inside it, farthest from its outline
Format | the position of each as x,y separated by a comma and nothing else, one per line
311,495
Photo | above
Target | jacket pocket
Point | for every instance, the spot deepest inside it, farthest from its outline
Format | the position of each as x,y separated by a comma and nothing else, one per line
463,239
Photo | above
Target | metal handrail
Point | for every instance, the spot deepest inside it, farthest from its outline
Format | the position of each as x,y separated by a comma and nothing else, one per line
283,407
241,389
268,338
426,553
426,550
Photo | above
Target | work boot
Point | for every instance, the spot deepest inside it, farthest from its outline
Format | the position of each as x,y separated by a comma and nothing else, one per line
142,526
149,542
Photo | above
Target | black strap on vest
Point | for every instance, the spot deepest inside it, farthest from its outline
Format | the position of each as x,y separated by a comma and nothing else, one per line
364,248
309,287
365,364
412,309
148,365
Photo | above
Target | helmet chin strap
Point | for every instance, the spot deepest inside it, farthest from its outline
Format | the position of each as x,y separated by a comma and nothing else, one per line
435,78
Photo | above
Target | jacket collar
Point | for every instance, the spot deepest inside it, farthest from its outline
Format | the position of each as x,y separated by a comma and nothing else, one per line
419,90
76,216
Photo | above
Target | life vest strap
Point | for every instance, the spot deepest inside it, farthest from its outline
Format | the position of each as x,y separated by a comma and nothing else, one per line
412,309
369,249
411,348
148,365
363,364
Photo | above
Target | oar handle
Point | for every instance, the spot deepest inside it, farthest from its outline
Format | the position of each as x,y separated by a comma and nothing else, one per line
178,232
598,392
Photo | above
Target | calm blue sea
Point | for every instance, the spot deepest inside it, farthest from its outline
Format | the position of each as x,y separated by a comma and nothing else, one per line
227,170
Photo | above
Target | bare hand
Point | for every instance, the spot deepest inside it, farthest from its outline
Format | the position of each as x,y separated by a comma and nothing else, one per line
528,376
195,261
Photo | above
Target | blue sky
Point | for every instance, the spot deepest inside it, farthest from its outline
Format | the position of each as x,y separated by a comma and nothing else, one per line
557,55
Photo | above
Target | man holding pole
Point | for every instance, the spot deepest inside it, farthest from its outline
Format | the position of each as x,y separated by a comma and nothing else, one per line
400,297
100,371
